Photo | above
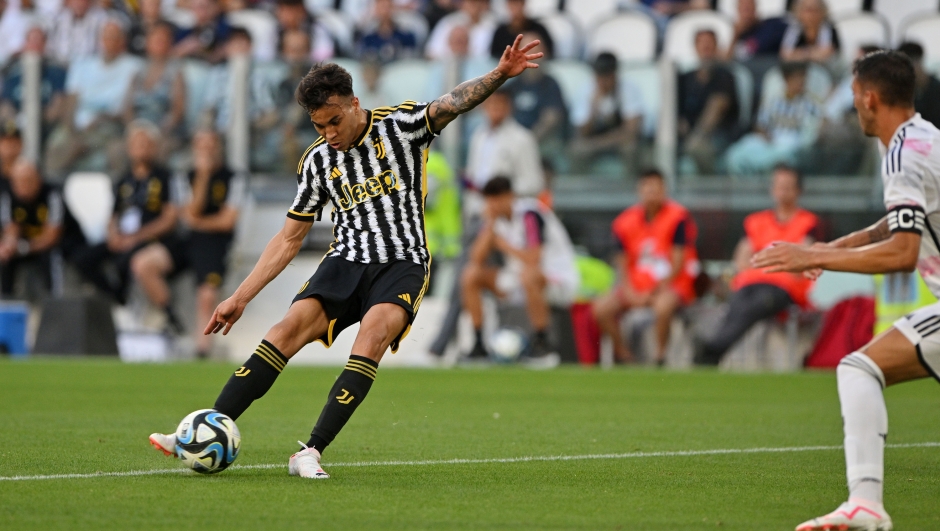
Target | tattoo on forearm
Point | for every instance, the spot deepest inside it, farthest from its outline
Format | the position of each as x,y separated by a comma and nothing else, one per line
879,232
465,97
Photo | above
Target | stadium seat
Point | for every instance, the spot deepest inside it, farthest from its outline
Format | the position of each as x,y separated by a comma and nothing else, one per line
590,12
744,83
412,80
925,31
839,8
415,23
533,8
263,29
353,67
341,27
476,66
90,199
647,78
566,35
679,42
608,36
315,6
818,84
859,30
902,13
575,78
196,78
765,8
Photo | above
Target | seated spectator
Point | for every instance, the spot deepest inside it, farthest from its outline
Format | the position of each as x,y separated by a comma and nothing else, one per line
370,94
659,265
810,36
926,86
385,41
784,128
611,121
475,19
14,24
144,214
292,15
11,148
263,113
754,37
663,10
206,39
75,32
540,268
500,146
708,106
147,18
538,104
519,23
34,221
297,129
435,10
52,84
157,92
96,88
759,295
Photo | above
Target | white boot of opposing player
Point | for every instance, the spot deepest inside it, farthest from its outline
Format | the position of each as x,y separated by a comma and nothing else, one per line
851,516
306,464
164,443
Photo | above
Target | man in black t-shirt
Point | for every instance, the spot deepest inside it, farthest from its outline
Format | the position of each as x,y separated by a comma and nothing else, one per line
538,104
708,106
926,86
518,23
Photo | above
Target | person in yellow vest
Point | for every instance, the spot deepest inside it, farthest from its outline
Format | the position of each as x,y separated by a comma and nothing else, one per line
442,209
898,294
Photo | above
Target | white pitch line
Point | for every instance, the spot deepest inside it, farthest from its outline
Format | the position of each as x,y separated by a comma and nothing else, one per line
499,460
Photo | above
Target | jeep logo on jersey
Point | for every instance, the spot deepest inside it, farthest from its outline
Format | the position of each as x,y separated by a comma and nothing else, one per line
382,184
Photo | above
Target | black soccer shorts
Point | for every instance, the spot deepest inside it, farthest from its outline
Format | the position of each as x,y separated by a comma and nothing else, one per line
207,255
347,290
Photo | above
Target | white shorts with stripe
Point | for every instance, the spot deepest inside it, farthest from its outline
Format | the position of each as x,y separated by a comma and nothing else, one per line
922,328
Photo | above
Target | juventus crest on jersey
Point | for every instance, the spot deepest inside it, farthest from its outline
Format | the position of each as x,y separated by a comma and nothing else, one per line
910,172
377,187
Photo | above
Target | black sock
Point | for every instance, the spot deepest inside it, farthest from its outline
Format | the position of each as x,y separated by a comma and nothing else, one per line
478,334
541,336
347,393
251,381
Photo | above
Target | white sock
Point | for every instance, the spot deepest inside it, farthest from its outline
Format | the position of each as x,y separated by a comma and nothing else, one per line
865,421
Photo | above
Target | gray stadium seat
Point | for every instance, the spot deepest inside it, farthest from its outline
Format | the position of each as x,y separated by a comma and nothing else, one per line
925,30
859,30
844,7
566,35
341,27
590,12
679,42
263,29
765,8
533,8
412,80
90,199
646,76
609,36
902,13
196,78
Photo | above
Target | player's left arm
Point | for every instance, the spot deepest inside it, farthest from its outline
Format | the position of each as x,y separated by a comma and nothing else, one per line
469,94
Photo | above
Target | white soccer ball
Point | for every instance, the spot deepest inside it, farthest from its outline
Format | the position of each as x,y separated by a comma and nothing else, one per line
207,441
507,344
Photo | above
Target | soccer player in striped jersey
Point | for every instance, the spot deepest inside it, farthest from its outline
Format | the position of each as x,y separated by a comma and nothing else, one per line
370,165
904,239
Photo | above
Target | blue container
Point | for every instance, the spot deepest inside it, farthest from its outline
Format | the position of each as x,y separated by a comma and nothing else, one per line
13,318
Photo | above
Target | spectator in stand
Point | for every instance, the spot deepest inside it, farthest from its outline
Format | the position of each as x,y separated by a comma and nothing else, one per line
517,24
435,10
11,147
297,129
611,121
759,295
810,36
33,218
14,25
539,266
926,86
75,32
754,37
386,42
708,106
785,127
52,84
538,104
206,39
663,10
263,112
148,17
144,214
659,264
370,94
96,88
476,20
293,16
157,93
500,146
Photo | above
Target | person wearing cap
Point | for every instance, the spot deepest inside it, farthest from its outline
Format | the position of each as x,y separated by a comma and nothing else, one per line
11,147
610,121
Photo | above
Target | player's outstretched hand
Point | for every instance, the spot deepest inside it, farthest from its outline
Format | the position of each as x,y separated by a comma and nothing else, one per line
783,257
225,315
515,59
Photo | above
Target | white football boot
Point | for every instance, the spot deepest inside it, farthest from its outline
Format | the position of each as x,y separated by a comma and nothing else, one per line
306,464
164,443
851,516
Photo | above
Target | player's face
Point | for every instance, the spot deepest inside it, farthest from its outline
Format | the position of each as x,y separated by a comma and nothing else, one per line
862,100
338,121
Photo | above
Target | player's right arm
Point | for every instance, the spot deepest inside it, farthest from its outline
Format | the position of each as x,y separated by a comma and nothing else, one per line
867,236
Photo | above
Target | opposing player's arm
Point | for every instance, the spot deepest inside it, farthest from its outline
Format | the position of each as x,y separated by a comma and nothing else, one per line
469,94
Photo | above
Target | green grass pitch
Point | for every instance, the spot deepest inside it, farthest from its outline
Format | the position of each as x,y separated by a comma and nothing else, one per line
61,417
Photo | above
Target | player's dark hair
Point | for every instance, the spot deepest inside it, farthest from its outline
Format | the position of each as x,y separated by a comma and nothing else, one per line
869,48
496,186
912,49
651,173
322,82
892,75
239,32
795,172
793,68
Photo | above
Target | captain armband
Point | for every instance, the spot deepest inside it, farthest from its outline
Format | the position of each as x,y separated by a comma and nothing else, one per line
906,218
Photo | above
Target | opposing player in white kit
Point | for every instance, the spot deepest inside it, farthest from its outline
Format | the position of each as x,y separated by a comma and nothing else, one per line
905,238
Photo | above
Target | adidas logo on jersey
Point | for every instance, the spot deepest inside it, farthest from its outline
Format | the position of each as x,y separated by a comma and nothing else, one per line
405,297
383,184
335,173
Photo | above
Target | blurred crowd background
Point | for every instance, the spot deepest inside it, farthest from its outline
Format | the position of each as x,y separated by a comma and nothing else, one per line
124,123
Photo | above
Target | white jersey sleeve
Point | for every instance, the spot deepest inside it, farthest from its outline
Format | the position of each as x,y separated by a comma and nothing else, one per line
903,174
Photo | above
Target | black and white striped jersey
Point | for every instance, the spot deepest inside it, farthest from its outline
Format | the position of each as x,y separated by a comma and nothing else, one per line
910,172
377,187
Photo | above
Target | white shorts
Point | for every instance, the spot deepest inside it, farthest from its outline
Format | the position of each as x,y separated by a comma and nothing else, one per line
509,283
922,328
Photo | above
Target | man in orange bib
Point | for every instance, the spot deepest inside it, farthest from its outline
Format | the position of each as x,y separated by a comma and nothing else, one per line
659,264
760,295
